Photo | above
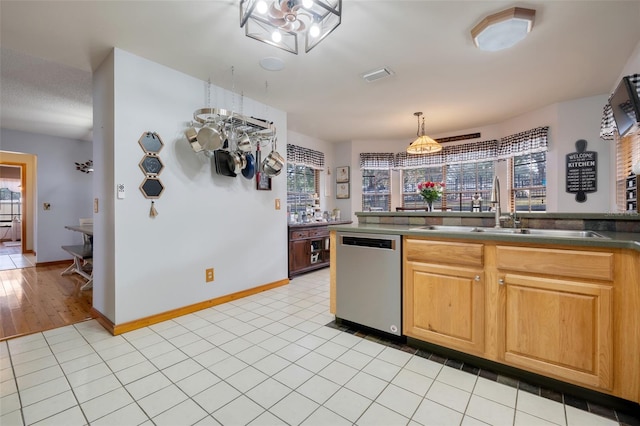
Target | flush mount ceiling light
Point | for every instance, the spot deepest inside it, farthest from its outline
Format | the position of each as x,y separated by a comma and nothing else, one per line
424,144
280,22
503,29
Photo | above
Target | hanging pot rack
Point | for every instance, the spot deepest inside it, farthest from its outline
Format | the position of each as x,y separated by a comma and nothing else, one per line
250,125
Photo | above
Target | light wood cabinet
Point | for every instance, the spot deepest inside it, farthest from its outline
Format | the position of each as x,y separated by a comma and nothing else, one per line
556,312
566,312
444,294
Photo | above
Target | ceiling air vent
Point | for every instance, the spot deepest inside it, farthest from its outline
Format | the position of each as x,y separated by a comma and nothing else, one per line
377,74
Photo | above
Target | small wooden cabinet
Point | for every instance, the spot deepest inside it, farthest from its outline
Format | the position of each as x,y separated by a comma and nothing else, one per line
309,247
444,294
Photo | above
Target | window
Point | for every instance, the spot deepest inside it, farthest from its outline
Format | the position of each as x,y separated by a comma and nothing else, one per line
528,177
302,184
410,180
464,181
376,190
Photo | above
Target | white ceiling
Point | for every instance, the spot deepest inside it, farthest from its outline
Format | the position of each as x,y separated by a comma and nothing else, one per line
576,49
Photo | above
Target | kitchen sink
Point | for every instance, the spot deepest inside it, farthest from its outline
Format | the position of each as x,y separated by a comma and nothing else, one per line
555,233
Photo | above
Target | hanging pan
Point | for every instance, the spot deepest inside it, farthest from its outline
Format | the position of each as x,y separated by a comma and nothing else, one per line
273,163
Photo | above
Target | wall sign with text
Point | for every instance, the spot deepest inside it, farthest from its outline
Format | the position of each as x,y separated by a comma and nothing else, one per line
582,171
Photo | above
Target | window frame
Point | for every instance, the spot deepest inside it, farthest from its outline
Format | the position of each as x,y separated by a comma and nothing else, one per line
298,201
515,192
368,206
460,198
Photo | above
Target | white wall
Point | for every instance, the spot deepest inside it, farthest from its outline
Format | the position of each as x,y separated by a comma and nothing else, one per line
327,200
58,183
567,121
205,220
578,120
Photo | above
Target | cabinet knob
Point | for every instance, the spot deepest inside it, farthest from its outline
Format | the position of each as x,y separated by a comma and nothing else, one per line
501,281
476,278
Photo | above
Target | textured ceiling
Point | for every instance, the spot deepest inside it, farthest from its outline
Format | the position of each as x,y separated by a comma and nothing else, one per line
576,49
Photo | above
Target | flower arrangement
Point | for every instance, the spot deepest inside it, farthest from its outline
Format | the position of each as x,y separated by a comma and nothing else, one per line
430,191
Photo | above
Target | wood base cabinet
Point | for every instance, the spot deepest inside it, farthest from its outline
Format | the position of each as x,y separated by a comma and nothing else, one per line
444,303
557,312
566,312
309,246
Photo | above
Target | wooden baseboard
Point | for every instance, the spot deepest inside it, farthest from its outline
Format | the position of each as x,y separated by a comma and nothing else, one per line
116,329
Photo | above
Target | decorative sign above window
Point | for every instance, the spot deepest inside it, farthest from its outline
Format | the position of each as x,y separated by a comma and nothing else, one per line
582,171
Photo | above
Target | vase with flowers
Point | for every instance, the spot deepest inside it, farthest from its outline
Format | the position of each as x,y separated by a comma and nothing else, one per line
430,192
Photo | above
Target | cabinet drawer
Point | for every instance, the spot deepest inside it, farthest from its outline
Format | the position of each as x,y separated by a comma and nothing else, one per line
297,235
444,251
567,263
318,232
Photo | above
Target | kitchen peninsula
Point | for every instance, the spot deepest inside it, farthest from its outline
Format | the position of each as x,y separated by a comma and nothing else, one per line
560,305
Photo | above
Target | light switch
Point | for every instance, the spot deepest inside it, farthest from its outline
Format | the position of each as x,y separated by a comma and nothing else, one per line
277,203
95,205
120,189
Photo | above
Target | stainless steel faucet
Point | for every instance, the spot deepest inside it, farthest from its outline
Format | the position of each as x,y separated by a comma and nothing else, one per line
495,199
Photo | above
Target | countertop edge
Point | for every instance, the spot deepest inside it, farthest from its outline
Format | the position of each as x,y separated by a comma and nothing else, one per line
625,240
315,224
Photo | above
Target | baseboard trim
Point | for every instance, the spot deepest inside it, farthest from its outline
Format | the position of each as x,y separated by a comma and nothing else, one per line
116,329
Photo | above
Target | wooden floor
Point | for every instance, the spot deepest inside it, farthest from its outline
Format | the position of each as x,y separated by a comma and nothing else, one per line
39,298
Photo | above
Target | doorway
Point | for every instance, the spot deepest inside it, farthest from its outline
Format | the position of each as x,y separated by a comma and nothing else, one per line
13,226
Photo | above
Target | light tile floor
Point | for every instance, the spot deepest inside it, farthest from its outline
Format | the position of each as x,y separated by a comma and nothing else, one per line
16,261
267,359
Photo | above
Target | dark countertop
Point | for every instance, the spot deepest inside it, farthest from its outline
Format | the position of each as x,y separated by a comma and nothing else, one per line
314,224
627,240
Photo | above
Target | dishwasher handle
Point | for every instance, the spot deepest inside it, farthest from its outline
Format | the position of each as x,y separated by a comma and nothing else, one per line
381,243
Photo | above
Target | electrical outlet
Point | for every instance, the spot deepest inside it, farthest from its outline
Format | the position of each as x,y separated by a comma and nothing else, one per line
46,206
277,203
209,275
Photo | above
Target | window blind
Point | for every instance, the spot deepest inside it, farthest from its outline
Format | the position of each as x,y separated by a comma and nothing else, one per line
305,157
627,154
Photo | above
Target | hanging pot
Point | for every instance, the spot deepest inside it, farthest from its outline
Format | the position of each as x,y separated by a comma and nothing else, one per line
192,137
250,169
209,137
235,162
244,143
273,163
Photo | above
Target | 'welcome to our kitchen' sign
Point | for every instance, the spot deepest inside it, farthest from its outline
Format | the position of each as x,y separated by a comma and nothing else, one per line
582,171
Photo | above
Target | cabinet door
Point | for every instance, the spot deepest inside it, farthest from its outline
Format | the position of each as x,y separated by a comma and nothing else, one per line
445,305
300,254
557,327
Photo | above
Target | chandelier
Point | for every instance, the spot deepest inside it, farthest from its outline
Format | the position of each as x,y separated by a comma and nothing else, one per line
281,22
424,144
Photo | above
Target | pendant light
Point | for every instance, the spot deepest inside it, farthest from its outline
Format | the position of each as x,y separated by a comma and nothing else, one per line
424,144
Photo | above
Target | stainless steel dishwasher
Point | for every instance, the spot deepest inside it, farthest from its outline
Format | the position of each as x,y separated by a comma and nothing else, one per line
368,280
